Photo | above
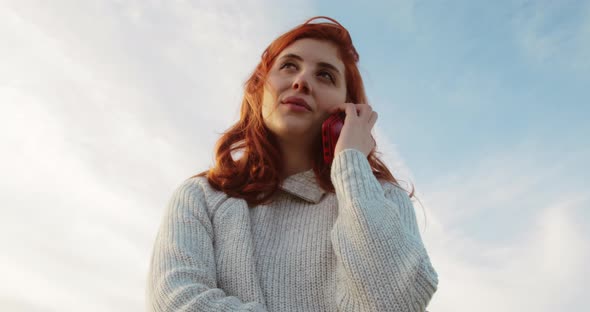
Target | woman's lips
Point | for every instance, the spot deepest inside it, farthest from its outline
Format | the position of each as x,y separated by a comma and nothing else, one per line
296,107
297,101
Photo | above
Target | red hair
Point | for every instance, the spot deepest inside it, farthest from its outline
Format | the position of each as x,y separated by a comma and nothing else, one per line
256,175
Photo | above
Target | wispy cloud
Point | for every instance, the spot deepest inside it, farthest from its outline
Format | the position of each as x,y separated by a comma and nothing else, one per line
505,236
554,32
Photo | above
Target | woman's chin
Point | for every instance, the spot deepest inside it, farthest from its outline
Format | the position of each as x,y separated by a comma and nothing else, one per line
298,131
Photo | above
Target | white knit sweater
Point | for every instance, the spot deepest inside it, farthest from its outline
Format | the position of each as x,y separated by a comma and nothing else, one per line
356,250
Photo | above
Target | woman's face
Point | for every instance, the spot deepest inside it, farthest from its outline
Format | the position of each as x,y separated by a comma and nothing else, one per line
309,71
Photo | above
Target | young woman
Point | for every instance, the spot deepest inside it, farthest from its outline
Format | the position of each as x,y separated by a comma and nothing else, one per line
271,227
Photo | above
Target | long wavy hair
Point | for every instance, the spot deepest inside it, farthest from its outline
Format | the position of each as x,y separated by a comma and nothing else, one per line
256,175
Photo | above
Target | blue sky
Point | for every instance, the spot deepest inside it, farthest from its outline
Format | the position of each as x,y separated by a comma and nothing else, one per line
467,77
109,106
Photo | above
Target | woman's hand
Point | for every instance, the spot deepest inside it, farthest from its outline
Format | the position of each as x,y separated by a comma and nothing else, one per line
356,132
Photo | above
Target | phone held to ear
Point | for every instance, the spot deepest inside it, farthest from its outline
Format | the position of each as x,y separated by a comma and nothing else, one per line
330,132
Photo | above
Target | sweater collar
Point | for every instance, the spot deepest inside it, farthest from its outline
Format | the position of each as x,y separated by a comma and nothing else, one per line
304,186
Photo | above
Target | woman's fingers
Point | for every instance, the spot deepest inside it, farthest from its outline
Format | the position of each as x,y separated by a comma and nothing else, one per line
363,111
351,109
356,133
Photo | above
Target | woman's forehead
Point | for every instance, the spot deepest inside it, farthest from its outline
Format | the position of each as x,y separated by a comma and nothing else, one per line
313,50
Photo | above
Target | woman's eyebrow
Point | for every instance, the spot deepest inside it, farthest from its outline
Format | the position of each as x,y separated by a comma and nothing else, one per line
321,64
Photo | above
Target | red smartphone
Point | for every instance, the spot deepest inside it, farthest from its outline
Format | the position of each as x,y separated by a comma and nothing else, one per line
330,132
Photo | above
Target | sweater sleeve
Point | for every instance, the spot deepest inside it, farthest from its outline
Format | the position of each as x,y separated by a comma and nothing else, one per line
382,264
182,275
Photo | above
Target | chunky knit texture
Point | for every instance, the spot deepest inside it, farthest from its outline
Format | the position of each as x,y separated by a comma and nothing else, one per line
356,250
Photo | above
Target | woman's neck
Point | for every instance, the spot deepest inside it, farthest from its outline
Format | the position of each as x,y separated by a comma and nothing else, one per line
296,158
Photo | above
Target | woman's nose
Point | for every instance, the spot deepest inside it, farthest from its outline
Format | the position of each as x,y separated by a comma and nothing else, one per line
301,83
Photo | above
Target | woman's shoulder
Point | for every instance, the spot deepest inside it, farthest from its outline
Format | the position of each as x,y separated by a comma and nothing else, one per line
200,193
198,186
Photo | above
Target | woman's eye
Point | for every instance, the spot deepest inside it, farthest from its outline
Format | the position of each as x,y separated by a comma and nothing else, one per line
288,64
326,75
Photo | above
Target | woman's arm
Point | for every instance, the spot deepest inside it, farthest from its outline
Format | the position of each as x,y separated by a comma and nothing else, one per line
382,262
182,273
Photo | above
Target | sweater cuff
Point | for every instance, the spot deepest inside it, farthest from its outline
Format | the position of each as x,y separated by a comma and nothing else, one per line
353,178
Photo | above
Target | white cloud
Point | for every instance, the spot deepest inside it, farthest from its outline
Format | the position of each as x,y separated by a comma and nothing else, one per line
505,236
541,270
